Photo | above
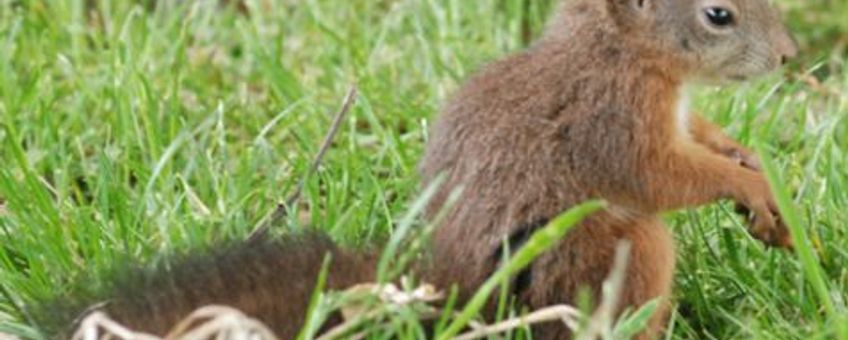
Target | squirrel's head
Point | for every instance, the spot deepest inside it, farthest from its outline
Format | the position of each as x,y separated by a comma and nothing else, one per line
720,39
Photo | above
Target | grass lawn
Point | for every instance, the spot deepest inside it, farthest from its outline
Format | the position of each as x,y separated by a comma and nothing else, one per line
132,133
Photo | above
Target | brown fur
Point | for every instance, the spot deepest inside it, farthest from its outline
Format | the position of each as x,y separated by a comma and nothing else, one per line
272,281
591,111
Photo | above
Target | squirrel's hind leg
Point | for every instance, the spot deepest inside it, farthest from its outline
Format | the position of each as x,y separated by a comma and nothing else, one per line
585,259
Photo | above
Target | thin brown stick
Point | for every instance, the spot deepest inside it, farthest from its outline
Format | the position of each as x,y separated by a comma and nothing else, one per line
282,209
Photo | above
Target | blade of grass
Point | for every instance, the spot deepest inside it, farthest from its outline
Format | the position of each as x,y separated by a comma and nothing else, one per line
313,321
391,253
809,263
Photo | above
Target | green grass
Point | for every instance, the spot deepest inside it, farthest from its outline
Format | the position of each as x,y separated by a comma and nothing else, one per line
130,133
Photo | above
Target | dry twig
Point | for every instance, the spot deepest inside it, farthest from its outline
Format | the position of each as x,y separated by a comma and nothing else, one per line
210,322
281,211
567,314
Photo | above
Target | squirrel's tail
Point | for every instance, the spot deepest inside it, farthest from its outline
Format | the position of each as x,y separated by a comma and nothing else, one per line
270,280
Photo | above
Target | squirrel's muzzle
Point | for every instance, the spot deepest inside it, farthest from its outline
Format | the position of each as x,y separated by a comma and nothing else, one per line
785,46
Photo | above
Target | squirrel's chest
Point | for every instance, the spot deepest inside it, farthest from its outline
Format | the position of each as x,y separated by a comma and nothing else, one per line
682,114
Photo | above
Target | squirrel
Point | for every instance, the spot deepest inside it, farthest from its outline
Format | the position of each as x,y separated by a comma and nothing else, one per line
598,108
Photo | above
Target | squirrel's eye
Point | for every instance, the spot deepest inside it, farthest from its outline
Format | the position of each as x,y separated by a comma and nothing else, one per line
718,16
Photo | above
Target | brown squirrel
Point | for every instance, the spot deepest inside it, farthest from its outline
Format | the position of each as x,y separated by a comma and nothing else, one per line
596,109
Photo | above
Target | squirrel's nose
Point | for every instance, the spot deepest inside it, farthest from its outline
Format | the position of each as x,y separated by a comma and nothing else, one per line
788,54
787,47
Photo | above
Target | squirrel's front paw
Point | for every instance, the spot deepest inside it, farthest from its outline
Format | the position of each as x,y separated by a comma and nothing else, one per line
766,225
